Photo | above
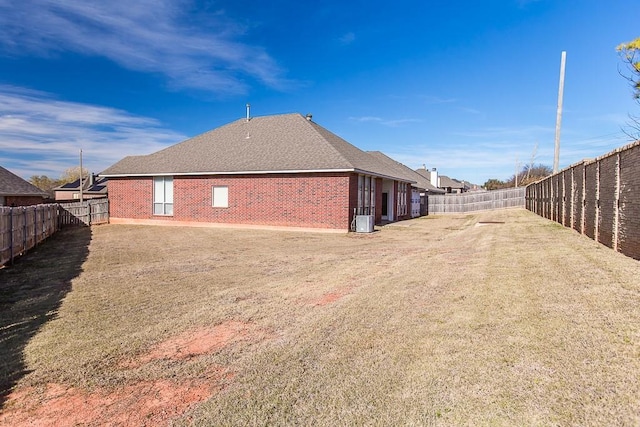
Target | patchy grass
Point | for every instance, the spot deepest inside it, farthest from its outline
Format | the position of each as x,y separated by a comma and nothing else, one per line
437,322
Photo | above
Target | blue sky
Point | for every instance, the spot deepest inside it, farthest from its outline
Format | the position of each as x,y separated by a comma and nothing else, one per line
467,87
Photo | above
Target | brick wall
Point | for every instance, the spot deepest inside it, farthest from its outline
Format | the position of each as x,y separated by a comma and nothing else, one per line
293,200
23,200
605,198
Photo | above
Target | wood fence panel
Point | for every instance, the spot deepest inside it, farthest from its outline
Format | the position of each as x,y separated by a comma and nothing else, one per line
567,198
477,201
90,212
577,195
591,200
22,228
608,206
598,198
629,235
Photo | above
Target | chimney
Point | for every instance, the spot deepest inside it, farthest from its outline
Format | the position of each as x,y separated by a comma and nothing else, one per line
309,116
92,179
248,112
434,177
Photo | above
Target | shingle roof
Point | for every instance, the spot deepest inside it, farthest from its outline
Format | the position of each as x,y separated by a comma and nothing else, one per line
446,182
279,143
12,185
99,186
426,175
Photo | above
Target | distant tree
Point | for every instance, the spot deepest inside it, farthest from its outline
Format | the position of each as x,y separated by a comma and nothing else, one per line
494,184
630,54
73,173
529,173
45,183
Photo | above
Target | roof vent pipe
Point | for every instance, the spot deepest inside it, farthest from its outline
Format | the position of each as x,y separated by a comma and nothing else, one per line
309,116
248,112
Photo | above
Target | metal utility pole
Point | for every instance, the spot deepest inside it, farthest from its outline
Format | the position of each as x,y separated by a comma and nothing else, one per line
556,156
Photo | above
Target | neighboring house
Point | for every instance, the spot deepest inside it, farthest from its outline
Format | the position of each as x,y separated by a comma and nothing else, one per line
451,185
93,187
420,187
15,191
281,170
430,181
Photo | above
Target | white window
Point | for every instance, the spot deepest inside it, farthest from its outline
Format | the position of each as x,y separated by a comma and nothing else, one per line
220,197
163,195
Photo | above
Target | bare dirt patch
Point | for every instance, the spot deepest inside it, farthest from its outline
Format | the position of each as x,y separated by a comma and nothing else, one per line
147,403
196,342
333,296
139,403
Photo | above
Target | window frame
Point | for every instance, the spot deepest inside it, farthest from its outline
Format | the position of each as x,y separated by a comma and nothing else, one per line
165,199
225,196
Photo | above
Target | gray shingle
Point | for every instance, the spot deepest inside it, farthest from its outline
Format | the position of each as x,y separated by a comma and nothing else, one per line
279,143
426,175
12,185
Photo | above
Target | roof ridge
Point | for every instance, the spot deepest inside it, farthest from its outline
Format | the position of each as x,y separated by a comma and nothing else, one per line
316,128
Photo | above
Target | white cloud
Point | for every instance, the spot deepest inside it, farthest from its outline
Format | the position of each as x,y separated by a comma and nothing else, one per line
384,122
40,135
155,36
348,38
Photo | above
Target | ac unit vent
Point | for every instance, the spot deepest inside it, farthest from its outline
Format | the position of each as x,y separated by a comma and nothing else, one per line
364,223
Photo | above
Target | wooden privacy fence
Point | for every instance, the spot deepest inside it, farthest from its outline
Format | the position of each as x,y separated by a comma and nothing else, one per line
22,228
476,201
599,198
90,212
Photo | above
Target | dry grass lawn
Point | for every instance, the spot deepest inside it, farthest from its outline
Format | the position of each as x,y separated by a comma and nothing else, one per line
499,318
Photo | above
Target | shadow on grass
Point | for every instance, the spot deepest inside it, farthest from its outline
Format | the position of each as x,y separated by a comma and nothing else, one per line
31,292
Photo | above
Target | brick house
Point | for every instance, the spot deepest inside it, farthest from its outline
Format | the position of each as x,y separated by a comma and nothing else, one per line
282,171
420,188
15,191
92,188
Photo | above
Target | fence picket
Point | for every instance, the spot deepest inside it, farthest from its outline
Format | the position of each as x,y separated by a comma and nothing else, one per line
20,228
605,196
477,201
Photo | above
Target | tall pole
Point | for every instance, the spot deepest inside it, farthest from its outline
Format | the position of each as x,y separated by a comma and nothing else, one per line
80,175
556,156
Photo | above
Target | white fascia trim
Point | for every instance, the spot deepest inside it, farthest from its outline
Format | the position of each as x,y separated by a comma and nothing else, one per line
378,175
226,173
256,173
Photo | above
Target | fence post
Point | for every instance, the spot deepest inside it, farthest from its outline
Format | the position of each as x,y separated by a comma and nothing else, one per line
583,213
596,227
35,227
24,229
11,234
616,211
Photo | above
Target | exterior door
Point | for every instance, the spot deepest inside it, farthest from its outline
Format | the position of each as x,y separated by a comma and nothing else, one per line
385,205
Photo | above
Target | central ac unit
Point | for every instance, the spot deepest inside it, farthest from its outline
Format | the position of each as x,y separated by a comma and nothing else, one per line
364,223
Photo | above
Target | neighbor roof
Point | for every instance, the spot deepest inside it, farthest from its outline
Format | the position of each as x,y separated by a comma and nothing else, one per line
12,185
446,182
426,176
99,186
419,181
287,143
